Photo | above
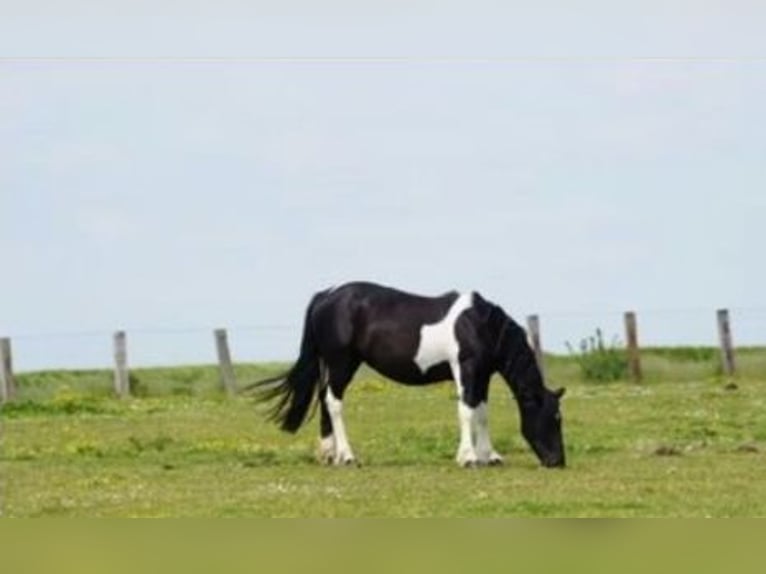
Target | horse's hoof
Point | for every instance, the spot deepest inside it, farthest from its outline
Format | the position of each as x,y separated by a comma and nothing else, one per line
470,464
326,458
498,461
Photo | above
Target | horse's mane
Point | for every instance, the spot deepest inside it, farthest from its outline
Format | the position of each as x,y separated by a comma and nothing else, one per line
515,358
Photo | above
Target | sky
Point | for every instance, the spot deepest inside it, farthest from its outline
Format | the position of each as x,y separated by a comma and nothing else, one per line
168,168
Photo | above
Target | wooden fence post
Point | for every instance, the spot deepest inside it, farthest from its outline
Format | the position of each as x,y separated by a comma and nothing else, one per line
533,325
631,336
121,375
727,347
225,367
7,381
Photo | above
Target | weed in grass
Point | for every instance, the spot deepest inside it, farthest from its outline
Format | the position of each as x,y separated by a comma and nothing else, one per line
59,406
667,450
86,449
599,363
157,444
137,387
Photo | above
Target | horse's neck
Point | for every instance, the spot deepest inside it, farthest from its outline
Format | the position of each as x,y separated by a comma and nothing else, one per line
517,363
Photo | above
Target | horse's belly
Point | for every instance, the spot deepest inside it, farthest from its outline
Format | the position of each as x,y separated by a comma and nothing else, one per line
408,373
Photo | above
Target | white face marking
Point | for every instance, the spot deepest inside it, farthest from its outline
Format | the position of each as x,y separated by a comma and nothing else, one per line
437,341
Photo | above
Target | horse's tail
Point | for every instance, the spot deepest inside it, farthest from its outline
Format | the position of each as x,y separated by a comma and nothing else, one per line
294,390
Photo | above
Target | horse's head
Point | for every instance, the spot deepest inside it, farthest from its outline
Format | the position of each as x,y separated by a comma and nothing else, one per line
541,426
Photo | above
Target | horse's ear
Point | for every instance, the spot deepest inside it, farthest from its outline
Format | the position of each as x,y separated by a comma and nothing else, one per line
560,392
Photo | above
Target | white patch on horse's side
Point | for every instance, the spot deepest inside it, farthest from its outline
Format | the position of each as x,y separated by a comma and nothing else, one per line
438,342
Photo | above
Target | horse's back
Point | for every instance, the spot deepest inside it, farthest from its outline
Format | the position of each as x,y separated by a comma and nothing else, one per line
369,302
379,325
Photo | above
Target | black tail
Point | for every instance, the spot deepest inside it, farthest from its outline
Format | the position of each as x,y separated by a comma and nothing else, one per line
294,390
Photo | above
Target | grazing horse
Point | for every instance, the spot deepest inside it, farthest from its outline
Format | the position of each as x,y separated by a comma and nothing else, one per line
415,340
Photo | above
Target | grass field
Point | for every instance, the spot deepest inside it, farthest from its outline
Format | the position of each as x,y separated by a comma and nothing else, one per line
684,443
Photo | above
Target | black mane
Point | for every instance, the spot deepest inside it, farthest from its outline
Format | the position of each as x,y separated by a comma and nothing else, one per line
516,360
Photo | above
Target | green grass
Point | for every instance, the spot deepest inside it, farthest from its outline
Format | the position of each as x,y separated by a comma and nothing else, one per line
683,447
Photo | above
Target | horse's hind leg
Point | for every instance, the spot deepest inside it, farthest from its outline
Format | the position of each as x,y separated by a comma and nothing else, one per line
339,376
326,436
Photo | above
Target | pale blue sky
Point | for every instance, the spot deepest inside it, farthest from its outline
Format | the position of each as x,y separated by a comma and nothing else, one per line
574,163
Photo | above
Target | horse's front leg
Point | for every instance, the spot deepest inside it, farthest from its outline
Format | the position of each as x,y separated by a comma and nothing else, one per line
466,453
475,445
466,413
484,451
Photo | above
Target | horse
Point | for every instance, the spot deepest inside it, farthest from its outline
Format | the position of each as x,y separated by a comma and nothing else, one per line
415,340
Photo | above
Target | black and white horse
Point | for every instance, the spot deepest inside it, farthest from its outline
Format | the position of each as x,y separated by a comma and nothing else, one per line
415,340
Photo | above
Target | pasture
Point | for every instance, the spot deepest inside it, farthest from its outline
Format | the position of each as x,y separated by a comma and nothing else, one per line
683,443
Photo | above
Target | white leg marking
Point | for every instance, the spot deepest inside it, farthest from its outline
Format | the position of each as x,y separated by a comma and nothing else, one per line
466,453
484,451
343,454
327,449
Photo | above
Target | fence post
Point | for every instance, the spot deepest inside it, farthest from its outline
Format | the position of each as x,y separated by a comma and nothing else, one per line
121,375
225,367
631,336
533,325
7,381
727,348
